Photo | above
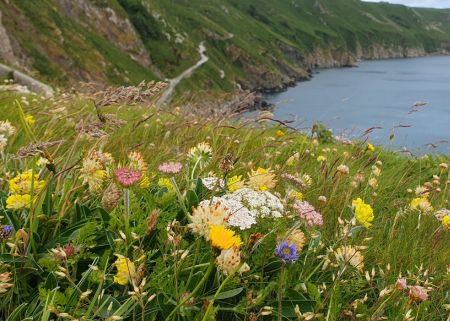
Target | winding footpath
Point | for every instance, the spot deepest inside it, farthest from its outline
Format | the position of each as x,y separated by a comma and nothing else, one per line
168,93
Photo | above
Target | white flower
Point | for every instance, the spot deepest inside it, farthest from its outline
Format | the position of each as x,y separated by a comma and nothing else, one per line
239,215
6,128
213,183
262,204
3,142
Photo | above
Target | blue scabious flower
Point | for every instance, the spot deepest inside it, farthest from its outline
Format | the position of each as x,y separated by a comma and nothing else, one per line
5,231
286,252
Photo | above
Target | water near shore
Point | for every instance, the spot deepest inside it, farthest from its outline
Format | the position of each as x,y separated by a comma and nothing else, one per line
384,93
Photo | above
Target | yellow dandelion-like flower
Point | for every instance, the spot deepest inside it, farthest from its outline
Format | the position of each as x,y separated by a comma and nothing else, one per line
223,238
17,202
23,183
421,204
280,133
234,183
262,179
363,212
321,158
165,182
126,271
29,119
446,222
370,147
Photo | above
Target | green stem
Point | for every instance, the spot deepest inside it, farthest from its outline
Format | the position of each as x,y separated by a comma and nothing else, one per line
280,293
197,288
224,282
126,202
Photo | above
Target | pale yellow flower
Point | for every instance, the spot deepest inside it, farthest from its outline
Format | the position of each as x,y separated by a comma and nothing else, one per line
421,204
262,179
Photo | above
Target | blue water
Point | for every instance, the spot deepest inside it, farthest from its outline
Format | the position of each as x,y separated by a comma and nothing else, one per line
377,94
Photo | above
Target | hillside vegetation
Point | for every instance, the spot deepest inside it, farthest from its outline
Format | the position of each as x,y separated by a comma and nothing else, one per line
112,210
261,45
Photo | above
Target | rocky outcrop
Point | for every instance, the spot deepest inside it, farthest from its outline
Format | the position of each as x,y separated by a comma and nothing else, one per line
108,23
262,78
6,50
27,81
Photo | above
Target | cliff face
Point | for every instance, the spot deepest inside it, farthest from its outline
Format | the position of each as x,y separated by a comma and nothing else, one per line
108,23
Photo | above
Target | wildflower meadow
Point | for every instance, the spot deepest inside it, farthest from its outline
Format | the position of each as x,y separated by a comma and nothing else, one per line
112,209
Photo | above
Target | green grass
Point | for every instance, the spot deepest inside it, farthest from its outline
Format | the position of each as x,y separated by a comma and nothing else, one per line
401,241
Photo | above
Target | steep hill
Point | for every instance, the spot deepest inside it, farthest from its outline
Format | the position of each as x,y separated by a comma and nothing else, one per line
257,44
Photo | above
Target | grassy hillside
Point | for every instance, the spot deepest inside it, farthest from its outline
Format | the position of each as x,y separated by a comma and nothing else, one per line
258,44
93,242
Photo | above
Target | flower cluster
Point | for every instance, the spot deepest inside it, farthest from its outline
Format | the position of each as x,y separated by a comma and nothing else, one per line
421,204
22,187
363,212
308,213
93,170
6,130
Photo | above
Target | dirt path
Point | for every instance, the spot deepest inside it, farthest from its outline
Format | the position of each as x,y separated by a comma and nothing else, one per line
168,93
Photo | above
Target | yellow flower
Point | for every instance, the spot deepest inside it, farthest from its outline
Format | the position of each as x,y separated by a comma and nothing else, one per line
234,183
363,212
280,133
17,202
261,179
321,158
421,204
165,182
21,184
223,238
446,222
126,270
370,147
29,119
298,196
145,182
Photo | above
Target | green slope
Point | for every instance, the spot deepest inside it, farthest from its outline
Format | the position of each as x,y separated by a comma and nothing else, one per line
259,44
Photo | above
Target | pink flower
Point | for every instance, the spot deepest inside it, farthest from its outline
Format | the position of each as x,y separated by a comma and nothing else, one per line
307,212
418,293
127,176
170,168
401,284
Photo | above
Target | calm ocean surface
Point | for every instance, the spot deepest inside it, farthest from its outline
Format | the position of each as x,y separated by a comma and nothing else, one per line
377,93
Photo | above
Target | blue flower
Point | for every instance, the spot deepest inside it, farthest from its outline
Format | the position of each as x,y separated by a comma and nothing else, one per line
286,252
5,231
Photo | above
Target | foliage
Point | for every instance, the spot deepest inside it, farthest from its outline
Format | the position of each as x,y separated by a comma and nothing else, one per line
90,247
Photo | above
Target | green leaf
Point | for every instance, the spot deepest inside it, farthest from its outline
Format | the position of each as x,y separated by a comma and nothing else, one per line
227,294
191,199
47,204
16,314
